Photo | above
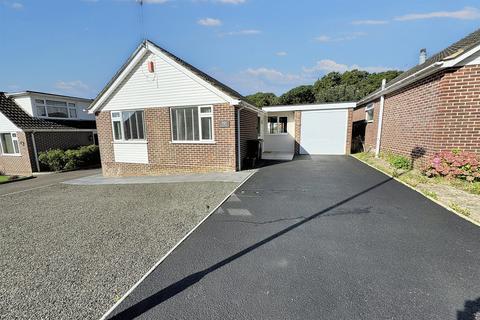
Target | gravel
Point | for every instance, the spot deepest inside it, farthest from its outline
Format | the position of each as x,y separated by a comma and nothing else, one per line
70,252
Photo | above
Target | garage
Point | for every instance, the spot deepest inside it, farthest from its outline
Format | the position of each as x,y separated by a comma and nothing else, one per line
324,132
313,129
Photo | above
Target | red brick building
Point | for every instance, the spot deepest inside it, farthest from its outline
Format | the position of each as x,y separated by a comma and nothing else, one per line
433,106
161,115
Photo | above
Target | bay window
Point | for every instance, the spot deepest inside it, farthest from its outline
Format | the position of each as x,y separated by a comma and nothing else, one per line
369,113
277,125
55,109
192,124
9,143
128,125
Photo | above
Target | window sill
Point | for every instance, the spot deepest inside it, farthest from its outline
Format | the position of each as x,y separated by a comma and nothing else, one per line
277,134
192,142
369,121
129,142
10,155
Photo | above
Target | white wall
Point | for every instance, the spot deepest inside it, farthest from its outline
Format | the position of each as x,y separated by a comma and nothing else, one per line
6,125
130,152
280,142
25,102
166,87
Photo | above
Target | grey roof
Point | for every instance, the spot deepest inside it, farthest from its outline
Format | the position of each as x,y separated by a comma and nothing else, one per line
24,121
451,52
222,87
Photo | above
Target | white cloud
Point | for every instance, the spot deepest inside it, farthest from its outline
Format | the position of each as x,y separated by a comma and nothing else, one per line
281,53
13,5
73,87
344,37
209,22
327,65
467,13
369,22
273,75
246,32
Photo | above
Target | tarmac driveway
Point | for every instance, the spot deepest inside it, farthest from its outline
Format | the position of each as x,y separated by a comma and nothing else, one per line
327,238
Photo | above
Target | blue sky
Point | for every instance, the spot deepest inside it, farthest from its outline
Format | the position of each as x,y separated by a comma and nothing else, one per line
75,46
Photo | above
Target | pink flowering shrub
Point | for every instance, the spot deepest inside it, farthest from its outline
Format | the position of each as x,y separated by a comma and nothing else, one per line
454,164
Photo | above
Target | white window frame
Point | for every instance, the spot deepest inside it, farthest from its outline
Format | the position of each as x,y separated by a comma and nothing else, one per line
278,133
14,138
122,129
68,105
368,108
200,116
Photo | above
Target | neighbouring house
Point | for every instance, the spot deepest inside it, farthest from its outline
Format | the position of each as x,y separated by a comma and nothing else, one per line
160,115
431,107
31,122
306,129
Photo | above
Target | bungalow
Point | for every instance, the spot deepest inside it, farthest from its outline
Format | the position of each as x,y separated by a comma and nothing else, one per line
161,115
431,107
31,122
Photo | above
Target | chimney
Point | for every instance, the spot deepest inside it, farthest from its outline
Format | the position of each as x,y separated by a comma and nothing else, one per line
423,56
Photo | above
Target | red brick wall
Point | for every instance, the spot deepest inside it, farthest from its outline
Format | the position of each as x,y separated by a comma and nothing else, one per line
371,127
458,121
437,113
17,165
169,158
298,126
248,130
349,132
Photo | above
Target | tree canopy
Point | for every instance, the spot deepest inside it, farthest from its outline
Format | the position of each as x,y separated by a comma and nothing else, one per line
333,87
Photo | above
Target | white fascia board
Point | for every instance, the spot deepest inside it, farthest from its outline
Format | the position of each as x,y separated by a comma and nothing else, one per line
307,107
193,76
250,107
118,81
458,61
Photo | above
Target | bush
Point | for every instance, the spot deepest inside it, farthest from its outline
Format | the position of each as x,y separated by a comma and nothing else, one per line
398,162
454,164
57,160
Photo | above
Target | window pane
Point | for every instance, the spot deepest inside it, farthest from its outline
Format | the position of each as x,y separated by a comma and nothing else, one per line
7,144
15,146
127,128
181,124
282,124
189,123
57,112
205,110
41,111
71,105
115,114
206,128
196,129
56,103
38,101
133,123
72,113
140,125
117,130
272,125
174,125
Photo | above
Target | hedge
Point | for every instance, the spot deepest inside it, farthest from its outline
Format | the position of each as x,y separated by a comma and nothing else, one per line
58,160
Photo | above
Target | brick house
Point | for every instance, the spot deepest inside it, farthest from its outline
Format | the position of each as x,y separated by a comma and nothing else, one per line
31,122
160,115
433,106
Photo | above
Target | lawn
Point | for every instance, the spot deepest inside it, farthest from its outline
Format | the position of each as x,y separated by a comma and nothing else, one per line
3,179
459,195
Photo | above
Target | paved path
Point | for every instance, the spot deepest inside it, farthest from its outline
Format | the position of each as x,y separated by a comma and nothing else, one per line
43,180
327,238
200,177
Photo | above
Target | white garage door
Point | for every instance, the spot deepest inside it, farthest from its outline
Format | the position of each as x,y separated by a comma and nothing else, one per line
323,132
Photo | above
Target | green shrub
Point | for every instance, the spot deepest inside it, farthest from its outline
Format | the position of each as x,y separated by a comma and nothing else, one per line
54,159
57,160
398,162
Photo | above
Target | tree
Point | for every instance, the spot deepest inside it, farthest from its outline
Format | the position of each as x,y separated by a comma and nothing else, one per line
262,99
298,95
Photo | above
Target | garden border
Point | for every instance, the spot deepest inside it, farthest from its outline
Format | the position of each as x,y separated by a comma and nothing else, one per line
423,194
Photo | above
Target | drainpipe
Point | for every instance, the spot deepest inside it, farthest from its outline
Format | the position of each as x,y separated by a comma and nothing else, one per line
380,120
239,158
35,151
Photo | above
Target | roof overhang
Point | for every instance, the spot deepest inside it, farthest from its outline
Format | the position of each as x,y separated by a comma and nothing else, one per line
449,62
54,95
308,107
143,49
